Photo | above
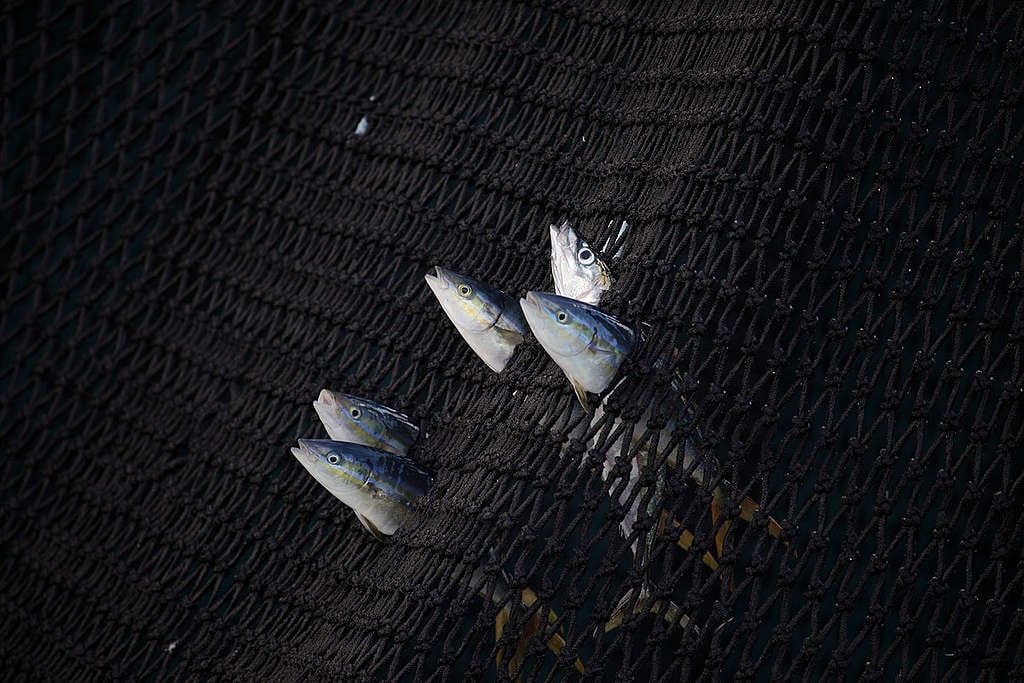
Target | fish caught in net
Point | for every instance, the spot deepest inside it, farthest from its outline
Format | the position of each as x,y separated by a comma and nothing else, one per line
806,214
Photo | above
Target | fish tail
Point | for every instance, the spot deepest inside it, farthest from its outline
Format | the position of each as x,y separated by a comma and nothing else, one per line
685,541
619,613
722,534
556,643
748,506
670,611
716,512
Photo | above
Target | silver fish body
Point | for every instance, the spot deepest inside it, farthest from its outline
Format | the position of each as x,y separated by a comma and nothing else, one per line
678,415
358,420
499,590
380,487
487,318
578,271
646,453
586,343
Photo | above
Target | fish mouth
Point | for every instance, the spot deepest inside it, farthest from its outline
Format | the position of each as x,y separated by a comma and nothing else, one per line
325,400
435,283
303,454
563,258
529,304
440,280
443,286
534,312
561,234
328,409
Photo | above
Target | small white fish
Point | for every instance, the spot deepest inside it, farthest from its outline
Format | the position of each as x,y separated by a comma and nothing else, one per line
578,272
487,318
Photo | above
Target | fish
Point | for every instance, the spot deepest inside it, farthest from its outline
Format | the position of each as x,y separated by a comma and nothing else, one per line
379,486
644,455
586,343
678,417
358,420
578,271
590,346
689,455
500,593
644,602
487,318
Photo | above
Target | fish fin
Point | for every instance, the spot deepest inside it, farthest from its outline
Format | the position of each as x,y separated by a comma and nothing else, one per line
720,539
669,611
722,533
685,541
581,394
533,626
622,242
749,506
747,509
716,513
673,614
515,662
510,336
370,526
619,613
499,628
662,523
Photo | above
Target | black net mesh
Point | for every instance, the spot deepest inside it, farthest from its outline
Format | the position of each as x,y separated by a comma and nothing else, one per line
211,210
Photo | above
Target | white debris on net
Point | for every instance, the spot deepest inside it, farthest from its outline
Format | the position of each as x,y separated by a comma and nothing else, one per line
362,126
171,646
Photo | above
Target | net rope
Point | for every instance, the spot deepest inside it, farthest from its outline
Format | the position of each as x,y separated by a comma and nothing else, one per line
213,210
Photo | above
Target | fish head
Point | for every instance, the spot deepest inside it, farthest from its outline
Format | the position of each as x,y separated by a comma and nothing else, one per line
342,471
588,344
350,418
380,487
487,318
579,273
472,305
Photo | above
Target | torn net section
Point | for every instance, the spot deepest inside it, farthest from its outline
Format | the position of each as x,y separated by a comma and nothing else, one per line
213,210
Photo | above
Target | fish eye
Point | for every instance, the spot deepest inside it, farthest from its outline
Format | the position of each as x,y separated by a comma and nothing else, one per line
465,291
355,413
585,256
333,459
562,317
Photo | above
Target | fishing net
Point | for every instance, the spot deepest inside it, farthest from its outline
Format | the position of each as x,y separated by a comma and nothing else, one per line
213,210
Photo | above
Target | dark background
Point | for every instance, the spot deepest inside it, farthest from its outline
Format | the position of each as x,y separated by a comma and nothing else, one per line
825,204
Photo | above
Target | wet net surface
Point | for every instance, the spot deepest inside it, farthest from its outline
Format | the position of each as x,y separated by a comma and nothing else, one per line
211,211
